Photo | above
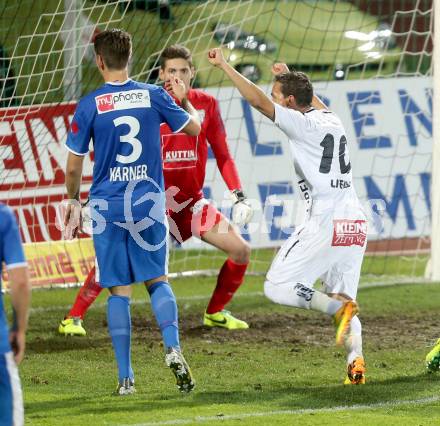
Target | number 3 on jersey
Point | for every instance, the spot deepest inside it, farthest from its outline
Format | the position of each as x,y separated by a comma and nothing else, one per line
130,137
328,143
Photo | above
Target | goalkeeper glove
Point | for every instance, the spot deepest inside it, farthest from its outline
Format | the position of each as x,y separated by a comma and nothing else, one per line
242,211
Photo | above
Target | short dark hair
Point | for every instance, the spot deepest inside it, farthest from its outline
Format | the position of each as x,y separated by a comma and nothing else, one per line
175,51
115,48
298,84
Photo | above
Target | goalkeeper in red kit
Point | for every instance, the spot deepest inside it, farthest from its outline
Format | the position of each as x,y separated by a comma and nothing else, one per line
184,163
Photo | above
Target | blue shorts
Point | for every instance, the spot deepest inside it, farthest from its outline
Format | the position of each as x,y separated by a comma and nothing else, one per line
11,400
124,258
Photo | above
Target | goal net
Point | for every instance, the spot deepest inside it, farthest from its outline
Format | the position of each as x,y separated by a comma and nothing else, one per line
369,60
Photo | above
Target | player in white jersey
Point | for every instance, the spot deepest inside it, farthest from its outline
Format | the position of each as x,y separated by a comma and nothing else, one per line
330,244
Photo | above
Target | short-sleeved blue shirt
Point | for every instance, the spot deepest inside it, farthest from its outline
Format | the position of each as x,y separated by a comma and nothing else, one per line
11,253
123,121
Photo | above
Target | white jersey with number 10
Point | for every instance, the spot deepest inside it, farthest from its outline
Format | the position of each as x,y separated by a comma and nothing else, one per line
320,155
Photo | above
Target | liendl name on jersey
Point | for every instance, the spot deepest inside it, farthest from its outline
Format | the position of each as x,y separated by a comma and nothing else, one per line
128,173
340,183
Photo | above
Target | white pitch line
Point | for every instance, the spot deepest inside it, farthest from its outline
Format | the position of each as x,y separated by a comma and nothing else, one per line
375,406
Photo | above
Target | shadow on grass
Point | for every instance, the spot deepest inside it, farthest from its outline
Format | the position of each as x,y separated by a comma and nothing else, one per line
282,398
57,343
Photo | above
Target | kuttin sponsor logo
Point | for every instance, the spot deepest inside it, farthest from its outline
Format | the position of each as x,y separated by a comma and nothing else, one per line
123,100
179,151
180,155
349,232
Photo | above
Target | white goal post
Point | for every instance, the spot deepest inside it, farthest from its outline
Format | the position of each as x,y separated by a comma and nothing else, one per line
433,267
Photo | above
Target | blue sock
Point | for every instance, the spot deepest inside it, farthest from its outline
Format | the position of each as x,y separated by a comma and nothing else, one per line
119,327
164,307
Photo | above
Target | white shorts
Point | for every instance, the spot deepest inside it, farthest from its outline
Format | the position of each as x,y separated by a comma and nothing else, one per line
323,248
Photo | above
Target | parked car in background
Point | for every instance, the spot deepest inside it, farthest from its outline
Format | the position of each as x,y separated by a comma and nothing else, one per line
328,40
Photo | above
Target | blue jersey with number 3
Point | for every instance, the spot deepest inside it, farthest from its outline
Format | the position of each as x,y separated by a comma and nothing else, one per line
123,121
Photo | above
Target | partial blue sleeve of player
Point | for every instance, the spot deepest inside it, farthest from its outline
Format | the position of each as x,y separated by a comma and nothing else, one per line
176,117
11,249
78,138
11,252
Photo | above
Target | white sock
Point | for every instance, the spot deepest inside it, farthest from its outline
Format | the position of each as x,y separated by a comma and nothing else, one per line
353,341
301,296
323,303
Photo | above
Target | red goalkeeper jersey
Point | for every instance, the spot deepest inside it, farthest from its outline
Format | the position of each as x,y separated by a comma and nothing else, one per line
184,157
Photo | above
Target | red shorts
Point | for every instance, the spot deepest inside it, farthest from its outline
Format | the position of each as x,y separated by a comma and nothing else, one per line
195,219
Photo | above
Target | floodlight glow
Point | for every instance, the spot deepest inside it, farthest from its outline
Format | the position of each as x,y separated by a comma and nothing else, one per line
374,55
357,35
367,46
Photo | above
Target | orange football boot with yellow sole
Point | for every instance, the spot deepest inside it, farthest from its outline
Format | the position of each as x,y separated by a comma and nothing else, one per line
356,372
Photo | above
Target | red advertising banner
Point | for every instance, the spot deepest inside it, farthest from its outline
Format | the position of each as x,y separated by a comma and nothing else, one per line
32,161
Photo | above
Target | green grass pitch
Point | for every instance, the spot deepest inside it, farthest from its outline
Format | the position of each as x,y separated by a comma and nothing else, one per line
284,370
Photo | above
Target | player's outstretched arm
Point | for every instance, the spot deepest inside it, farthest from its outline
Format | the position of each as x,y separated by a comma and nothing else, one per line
74,168
281,68
193,127
251,92
318,104
20,298
241,211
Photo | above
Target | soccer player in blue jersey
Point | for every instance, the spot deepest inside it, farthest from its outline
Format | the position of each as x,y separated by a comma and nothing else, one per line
123,119
12,343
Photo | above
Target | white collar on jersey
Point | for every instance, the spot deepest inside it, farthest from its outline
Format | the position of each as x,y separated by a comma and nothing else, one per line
118,83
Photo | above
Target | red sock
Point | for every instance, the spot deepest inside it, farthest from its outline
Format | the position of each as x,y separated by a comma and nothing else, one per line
86,296
230,277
